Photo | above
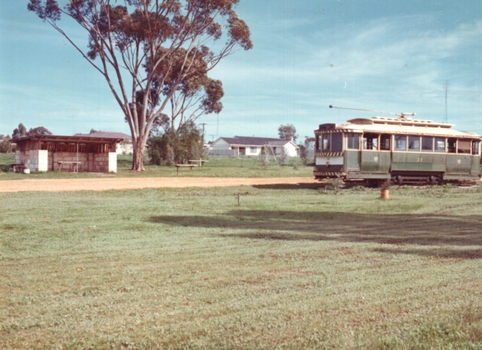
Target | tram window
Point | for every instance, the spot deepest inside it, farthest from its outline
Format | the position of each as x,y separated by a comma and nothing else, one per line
326,142
451,145
385,142
317,142
464,146
336,142
414,143
439,144
475,148
400,142
427,144
353,141
370,141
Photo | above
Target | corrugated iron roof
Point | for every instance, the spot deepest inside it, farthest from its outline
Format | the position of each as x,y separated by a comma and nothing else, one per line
113,135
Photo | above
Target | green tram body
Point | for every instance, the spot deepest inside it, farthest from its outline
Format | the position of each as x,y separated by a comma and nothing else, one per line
398,149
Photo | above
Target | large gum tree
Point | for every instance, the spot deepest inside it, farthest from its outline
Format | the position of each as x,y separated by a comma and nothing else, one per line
154,54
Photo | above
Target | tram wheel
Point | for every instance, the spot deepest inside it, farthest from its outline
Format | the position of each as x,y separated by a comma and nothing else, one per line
375,183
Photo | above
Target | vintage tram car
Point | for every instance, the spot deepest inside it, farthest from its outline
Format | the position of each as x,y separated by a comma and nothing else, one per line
401,150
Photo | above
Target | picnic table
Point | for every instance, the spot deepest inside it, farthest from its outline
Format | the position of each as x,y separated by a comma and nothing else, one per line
72,165
200,161
189,165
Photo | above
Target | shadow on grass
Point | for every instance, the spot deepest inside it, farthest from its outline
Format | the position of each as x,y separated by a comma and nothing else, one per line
419,229
301,186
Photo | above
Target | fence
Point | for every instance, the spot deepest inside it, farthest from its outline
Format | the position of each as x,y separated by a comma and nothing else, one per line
221,152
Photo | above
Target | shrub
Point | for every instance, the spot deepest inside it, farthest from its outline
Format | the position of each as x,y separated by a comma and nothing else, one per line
173,146
283,157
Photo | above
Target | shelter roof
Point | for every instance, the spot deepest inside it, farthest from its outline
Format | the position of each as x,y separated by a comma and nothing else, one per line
102,134
68,139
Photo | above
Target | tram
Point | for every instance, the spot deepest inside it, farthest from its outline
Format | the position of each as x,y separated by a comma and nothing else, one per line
401,150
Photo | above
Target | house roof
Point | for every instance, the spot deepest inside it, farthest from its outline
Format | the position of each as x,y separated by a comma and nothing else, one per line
107,135
255,141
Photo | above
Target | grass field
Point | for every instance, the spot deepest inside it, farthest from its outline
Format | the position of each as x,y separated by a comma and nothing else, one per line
243,166
287,268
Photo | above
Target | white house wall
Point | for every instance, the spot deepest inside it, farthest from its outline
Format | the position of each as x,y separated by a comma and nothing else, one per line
221,147
291,149
220,144
124,148
253,151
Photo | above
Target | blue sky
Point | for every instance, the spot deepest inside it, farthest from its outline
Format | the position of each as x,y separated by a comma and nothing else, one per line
383,55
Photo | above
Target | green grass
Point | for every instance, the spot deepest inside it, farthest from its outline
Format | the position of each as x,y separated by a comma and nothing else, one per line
287,268
242,166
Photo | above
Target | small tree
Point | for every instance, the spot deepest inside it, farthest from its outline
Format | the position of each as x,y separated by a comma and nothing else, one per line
335,184
6,146
283,157
287,132
264,156
304,154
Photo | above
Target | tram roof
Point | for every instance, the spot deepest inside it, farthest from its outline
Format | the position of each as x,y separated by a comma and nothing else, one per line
398,126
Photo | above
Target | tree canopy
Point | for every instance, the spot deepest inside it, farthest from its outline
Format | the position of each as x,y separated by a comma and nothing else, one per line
155,55
5,144
22,131
287,132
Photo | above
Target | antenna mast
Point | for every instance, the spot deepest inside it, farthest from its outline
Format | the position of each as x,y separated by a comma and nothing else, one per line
401,115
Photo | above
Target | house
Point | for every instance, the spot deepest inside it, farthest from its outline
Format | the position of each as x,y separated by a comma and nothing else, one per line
252,146
123,147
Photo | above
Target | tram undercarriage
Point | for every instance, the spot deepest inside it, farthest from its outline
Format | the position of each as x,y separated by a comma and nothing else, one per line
400,178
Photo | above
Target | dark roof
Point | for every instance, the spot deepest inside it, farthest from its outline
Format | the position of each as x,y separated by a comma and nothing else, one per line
107,135
71,139
255,141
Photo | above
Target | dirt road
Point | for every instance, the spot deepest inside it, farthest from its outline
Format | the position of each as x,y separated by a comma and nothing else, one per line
65,185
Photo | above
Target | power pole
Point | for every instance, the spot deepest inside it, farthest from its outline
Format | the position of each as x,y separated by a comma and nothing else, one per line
203,124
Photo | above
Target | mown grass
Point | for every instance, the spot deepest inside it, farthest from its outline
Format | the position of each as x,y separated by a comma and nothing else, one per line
229,166
287,268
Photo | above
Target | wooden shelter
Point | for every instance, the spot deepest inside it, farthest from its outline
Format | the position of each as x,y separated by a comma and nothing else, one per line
76,153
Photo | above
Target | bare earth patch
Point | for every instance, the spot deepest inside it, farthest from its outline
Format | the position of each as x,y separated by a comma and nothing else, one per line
104,184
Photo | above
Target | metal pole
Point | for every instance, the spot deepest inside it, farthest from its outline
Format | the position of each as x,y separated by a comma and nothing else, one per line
369,110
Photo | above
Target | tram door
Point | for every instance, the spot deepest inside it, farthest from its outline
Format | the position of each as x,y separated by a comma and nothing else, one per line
375,155
352,152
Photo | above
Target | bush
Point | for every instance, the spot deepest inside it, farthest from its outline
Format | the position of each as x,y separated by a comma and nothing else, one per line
173,146
6,146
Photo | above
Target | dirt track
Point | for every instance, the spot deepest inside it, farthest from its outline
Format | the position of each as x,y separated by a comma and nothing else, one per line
65,185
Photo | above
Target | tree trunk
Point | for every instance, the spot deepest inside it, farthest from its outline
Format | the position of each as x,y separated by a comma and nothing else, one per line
137,161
